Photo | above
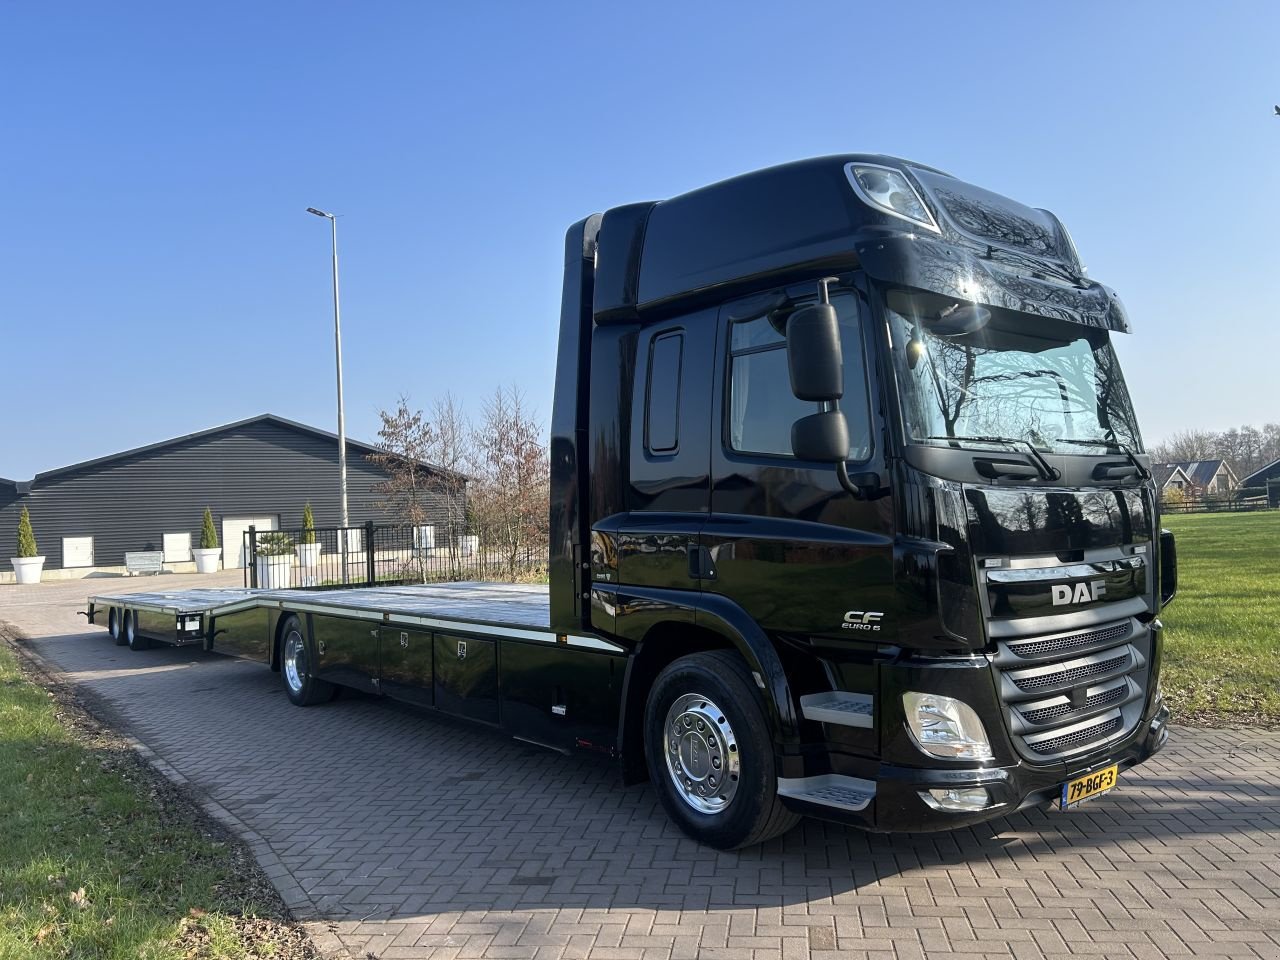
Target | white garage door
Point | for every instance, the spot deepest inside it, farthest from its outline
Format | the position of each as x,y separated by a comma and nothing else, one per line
233,531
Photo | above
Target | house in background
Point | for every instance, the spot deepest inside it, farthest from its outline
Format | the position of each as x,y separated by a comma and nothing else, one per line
1196,478
259,472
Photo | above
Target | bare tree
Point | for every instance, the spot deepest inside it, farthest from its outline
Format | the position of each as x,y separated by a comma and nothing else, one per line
425,462
509,502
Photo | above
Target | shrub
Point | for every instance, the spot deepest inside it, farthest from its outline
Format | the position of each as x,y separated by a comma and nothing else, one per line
274,544
26,536
208,532
308,525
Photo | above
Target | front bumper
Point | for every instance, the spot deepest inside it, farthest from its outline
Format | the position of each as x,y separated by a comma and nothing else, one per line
897,805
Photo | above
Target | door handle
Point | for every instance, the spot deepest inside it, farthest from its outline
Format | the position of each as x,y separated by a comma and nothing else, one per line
701,564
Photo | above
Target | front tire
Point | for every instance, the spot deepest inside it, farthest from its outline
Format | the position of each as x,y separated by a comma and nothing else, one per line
303,688
710,753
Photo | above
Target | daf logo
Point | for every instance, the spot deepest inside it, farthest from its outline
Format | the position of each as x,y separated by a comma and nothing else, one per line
862,620
1079,593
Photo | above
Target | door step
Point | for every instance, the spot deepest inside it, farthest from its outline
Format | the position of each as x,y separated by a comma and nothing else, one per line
829,790
839,706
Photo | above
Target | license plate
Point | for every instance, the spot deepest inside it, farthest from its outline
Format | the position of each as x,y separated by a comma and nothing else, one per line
1088,787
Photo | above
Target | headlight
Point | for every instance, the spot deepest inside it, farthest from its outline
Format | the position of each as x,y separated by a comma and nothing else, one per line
945,727
887,189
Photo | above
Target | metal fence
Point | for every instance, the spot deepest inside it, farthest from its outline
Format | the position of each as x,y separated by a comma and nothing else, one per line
327,558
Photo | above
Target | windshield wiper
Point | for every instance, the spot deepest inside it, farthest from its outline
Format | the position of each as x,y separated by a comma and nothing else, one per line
1143,472
1042,465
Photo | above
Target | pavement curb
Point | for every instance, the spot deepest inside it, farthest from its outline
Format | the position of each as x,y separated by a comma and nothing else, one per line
296,900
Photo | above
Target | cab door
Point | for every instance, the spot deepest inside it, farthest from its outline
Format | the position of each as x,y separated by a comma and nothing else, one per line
786,541
668,493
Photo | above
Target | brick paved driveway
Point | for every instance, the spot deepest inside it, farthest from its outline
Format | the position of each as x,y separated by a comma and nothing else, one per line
416,837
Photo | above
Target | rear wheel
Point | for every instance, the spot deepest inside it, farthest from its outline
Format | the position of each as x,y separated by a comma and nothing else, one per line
296,666
113,626
132,637
710,754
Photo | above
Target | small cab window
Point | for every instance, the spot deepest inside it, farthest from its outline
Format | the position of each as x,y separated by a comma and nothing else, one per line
662,396
762,407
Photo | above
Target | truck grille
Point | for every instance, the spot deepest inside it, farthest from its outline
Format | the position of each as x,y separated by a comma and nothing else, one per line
1070,693
1071,642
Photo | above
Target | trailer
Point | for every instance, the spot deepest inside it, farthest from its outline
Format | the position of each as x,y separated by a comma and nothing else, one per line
850,517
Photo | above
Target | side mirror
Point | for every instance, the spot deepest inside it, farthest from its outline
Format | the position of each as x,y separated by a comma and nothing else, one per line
821,436
813,353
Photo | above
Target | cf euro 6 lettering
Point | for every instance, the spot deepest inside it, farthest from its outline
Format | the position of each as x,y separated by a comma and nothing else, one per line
862,620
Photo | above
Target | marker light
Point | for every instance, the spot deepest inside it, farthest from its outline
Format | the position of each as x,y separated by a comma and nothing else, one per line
889,190
945,727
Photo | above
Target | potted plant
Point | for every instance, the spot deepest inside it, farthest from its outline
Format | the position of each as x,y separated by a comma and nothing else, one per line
27,565
275,560
309,549
207,555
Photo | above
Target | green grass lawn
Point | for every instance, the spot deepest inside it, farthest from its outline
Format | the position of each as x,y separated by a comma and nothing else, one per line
101,859
1222,636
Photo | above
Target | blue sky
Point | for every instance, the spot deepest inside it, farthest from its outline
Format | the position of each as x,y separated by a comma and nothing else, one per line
158,273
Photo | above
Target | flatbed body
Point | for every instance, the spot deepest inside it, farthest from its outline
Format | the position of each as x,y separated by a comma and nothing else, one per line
480,651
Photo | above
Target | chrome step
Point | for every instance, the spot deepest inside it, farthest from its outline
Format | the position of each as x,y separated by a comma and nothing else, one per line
839,706
829,790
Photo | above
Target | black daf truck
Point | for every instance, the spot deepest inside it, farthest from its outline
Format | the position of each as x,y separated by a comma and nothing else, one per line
850,518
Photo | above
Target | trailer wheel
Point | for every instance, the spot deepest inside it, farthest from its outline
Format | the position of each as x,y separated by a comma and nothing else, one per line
710,753
135,640
113,626
295,667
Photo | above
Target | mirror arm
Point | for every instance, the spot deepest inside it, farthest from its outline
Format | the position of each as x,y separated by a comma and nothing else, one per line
863,486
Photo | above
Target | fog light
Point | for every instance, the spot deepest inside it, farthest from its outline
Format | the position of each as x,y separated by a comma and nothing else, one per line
958,799
945,727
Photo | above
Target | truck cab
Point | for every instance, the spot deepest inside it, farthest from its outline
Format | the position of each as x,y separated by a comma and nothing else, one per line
844,461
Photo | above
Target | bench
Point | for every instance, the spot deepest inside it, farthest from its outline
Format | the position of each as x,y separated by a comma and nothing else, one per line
144,561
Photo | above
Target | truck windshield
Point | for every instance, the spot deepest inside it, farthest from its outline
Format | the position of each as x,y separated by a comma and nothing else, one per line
1019,377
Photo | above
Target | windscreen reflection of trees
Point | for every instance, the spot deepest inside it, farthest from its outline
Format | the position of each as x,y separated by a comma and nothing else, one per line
969,386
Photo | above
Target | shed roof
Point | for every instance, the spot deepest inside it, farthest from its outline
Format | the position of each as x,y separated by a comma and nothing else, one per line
200,434
1262,475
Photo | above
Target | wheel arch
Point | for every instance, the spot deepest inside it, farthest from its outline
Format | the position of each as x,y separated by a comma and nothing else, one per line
693,625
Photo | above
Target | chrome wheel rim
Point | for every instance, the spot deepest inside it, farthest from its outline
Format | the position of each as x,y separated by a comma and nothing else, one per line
295,661
702,753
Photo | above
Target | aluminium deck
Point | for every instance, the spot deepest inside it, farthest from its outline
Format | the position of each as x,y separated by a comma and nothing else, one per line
501,604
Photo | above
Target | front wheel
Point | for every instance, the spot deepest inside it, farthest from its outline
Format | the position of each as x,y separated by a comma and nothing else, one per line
710,754
295,668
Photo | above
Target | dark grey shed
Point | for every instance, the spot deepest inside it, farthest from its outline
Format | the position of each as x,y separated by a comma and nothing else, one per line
265,467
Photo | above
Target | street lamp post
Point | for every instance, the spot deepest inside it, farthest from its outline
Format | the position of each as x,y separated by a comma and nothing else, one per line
337,350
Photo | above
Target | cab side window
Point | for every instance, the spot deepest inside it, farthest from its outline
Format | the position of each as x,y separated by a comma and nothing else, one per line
762,407
662,394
